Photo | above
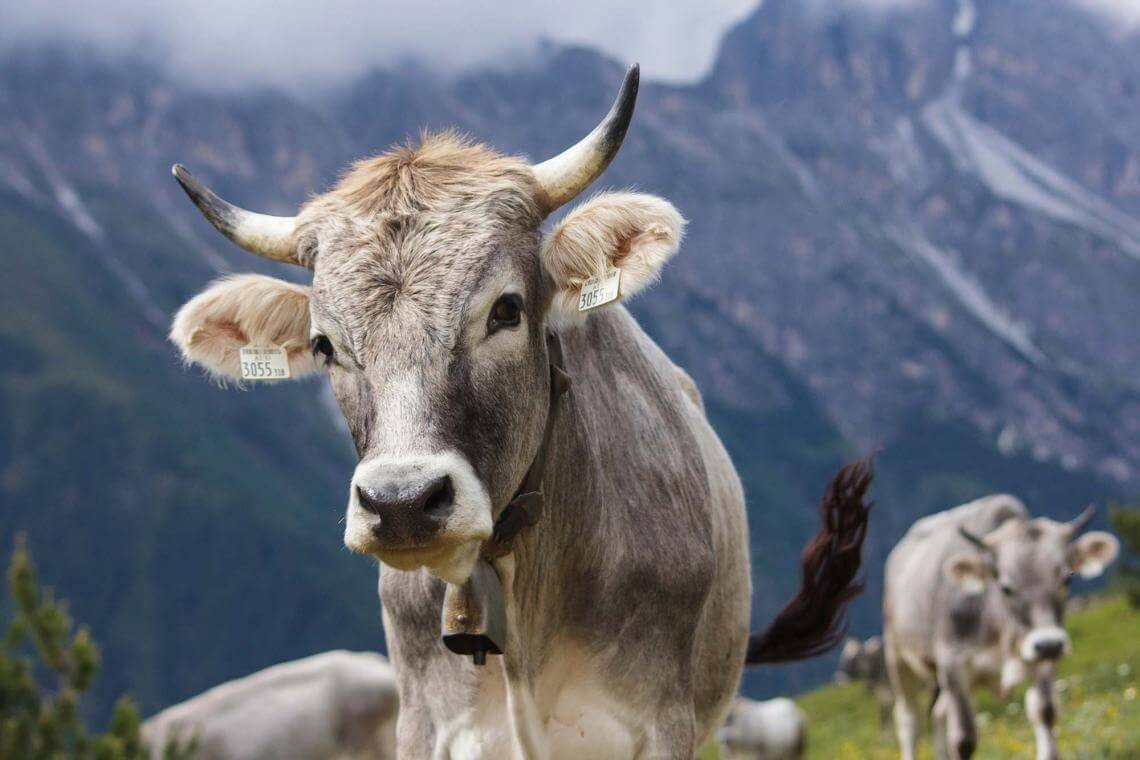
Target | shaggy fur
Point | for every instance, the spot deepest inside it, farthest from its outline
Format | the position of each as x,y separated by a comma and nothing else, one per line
633,232
244,310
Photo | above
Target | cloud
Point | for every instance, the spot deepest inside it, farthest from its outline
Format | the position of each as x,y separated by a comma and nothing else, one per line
233,43
226,44
1126,12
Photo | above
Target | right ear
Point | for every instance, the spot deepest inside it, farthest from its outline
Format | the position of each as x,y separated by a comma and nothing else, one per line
632,232
244,310
970,571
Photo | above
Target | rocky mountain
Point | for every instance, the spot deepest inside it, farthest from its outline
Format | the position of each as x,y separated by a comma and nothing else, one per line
914,231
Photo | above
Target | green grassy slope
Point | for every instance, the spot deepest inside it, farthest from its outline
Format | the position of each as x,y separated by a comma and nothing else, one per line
1097,694
195,530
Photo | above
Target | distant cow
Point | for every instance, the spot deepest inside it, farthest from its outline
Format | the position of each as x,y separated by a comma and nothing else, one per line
332,705
975,596
602,533
865,661
771,730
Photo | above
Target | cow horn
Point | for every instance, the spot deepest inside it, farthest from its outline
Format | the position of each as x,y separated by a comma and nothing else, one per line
566,175
973,539
1081,521
270,237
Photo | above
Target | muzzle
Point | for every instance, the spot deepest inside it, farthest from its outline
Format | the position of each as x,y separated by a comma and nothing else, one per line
1044,644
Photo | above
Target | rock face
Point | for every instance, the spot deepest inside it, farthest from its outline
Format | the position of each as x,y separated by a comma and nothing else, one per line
913,231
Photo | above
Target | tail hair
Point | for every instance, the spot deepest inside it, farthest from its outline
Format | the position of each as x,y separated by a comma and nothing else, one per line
815,619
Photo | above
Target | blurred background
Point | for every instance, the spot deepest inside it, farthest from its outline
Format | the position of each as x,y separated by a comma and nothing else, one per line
914,230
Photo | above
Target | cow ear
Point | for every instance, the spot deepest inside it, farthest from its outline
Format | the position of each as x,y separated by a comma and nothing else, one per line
244,310
970,571
631,232
1093,552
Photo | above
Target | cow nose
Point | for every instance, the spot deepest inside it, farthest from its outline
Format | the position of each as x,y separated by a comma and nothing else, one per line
408,512
1049,649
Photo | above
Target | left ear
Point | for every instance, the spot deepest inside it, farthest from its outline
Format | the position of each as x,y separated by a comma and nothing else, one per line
632,232
1093,552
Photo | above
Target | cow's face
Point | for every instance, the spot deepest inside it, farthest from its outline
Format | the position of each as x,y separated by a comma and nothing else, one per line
432,290
1028,565
430,327
858,660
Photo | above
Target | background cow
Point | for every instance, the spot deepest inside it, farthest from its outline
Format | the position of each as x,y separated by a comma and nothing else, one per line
975,595
437,309
332,705
865,661
775,729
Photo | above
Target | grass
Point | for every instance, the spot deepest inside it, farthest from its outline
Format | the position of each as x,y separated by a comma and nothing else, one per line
1096,691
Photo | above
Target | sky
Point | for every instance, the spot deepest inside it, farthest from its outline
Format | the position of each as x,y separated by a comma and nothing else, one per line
297,45
277,42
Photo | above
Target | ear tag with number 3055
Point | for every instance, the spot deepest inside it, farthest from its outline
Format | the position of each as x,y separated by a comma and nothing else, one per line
264,363
599,291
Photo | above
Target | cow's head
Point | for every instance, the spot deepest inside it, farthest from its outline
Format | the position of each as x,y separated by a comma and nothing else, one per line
859,660
432,287
1028,565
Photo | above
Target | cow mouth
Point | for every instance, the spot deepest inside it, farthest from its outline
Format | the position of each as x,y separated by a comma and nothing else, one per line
447,556
451,562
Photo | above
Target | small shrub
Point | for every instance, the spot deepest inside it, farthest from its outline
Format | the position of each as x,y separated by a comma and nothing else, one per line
46,666
1126,522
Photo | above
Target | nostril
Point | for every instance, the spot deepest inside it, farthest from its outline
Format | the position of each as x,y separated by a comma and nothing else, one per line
1049,649
369,499
439,497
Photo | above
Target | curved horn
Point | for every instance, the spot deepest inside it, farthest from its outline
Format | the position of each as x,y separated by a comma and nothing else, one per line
268,236
566,175
1081,521
978,542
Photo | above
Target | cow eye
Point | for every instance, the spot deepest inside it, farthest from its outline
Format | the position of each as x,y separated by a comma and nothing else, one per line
1007,589
1066,579
323,350
507,312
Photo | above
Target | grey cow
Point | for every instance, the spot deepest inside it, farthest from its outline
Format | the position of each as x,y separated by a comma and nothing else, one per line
338,704
438,311
775,729
975,596
866,661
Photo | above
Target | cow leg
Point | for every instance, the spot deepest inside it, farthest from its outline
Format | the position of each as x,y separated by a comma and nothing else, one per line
886,702
907,687
1041,708
953,713
673,734
938,727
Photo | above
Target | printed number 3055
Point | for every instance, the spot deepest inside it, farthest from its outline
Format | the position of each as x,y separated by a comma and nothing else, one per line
259,369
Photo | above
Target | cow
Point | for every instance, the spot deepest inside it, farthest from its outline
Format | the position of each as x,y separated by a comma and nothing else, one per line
865,661
973,596
332,705
448,322
775,729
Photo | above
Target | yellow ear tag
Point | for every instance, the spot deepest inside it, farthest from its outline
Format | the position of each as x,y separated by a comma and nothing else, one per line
599,291
264,363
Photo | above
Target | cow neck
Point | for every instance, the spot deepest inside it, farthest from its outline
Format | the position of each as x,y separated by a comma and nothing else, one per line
524,510
474,619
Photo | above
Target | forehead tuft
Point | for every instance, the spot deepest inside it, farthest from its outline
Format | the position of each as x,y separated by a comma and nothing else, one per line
1033,546
443,172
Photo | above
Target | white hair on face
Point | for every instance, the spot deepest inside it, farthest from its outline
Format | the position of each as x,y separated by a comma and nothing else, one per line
633,232
244,310
467,527
1049,634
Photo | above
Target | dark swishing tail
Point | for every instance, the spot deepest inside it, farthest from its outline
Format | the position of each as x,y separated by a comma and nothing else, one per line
815,619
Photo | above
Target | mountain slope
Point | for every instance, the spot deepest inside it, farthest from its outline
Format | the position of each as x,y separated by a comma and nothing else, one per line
901,240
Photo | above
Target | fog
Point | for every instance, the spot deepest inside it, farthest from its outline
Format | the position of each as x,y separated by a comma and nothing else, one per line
235,43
